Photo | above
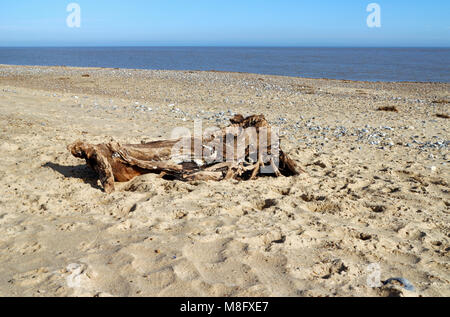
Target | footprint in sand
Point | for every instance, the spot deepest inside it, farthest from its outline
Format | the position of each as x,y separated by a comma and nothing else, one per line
228,262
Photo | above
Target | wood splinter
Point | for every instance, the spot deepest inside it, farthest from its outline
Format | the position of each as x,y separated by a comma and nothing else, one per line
116,162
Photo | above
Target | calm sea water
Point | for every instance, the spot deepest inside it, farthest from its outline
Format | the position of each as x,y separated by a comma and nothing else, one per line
370,64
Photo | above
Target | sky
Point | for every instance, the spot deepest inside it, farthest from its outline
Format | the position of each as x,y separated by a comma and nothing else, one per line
330,23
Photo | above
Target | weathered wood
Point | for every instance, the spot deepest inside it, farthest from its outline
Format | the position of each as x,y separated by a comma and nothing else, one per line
115,162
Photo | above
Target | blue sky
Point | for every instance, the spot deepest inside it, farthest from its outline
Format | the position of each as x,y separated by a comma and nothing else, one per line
225,22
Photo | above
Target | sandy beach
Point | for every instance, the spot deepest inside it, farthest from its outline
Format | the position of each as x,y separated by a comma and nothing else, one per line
375,191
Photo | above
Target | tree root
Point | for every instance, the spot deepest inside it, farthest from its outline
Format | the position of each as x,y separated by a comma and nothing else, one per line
115,162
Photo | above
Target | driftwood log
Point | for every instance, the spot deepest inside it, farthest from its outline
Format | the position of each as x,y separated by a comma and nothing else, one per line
246,149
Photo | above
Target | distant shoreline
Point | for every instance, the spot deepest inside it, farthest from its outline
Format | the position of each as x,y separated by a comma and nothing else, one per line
221,71
139,84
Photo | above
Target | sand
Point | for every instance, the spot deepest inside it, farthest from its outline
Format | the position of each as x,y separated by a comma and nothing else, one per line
375,191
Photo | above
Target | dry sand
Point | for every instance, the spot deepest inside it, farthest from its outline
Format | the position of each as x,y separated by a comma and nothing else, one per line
376,188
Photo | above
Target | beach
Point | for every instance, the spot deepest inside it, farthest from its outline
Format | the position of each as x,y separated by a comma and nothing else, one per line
375,192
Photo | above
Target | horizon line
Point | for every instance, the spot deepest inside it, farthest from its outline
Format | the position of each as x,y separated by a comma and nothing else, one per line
217,46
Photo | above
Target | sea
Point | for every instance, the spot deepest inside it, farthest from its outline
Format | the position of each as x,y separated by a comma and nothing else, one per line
364,64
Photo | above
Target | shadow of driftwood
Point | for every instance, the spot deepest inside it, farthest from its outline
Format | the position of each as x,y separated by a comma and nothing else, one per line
82,172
